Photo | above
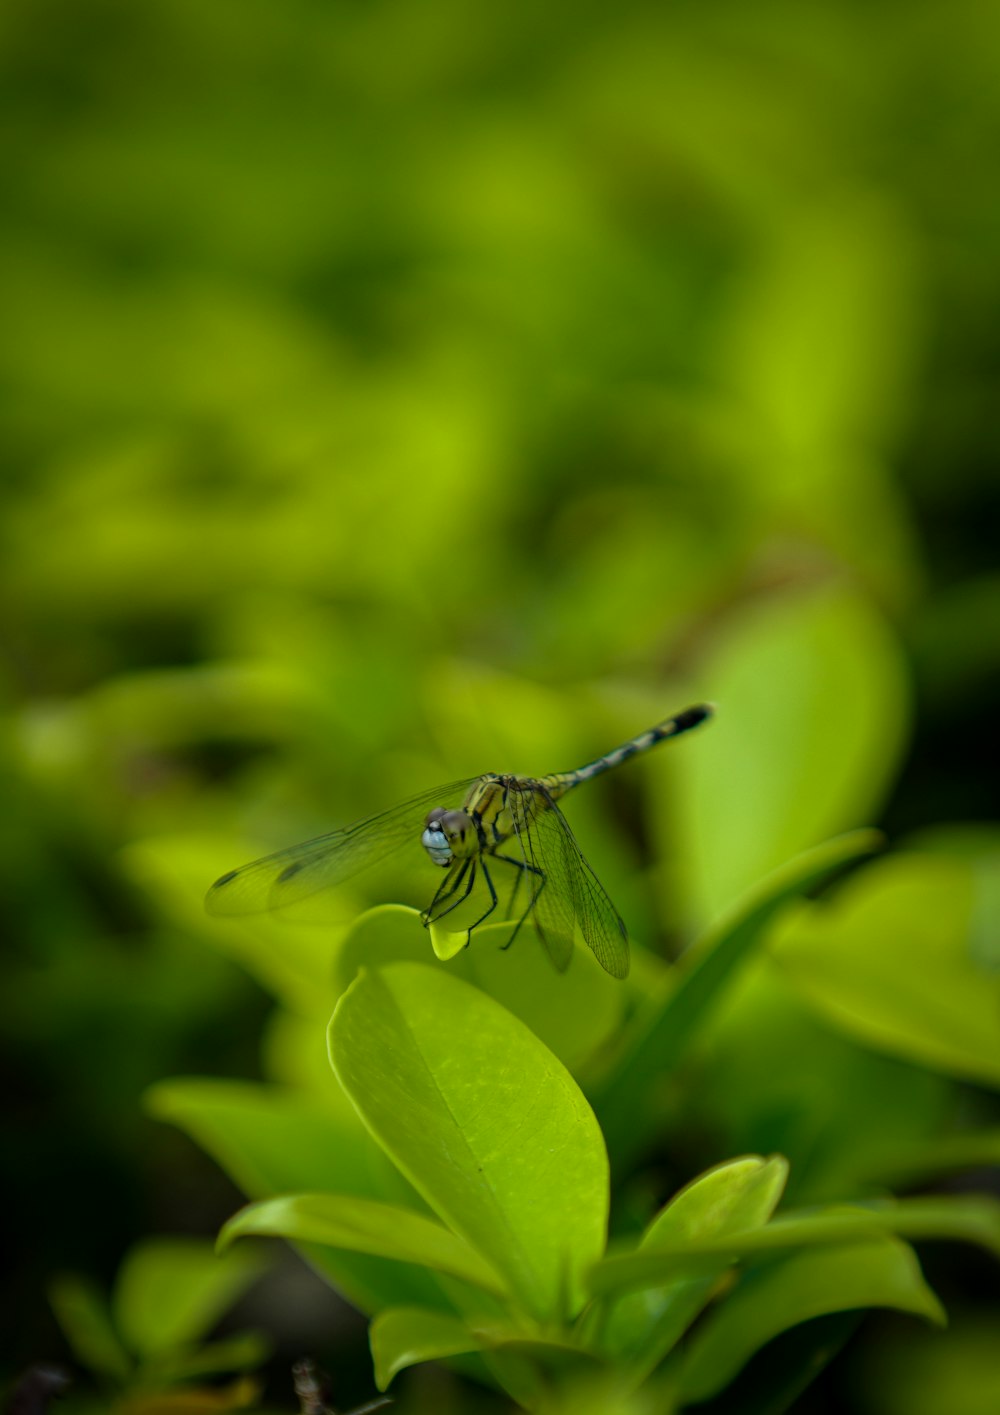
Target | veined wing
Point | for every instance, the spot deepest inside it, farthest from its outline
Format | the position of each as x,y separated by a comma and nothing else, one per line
552,910
287,876
573,892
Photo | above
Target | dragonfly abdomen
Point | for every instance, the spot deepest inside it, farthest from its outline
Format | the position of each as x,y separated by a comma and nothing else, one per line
560,782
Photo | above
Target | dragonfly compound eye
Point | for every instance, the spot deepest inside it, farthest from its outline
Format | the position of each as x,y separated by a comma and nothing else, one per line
434,840
448,835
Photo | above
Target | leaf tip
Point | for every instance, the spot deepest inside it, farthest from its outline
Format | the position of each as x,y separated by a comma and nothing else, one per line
233,1228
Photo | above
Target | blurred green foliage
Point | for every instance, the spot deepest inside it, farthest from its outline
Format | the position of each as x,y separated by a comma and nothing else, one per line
496,1203
146,1346
390,393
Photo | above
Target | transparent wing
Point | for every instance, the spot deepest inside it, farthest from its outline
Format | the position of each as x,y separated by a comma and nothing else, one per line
551,909
572,891
287,876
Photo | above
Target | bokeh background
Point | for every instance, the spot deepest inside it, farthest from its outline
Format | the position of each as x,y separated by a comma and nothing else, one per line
396,391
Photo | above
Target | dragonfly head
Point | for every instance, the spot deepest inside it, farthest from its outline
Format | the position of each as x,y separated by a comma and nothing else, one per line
448,835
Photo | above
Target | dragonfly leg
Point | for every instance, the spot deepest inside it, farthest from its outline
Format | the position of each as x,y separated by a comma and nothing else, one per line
493,901
523,868
449,886
434,914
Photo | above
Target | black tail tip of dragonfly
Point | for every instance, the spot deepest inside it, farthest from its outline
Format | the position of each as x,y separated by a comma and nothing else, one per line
694,716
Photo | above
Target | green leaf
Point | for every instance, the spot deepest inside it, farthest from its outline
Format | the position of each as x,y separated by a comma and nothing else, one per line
881,1273
290,959
448,943
841,264
235,1353
746,1078
573,1013
170,1292
771,1383
272,1141
973,1218
740,1195
483,1120
659,1037
965,1218
82,1312
406,1336
889,961
731,1198
905,1166
978,846
811,727
269,1139
388,933
365,1226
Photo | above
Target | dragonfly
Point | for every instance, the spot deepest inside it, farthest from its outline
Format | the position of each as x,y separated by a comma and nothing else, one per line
489,830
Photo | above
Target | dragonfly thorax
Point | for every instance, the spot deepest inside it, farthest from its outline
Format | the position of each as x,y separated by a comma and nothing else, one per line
449,835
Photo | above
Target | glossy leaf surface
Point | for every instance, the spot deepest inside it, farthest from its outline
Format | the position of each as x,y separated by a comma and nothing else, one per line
364,1226
484,1121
